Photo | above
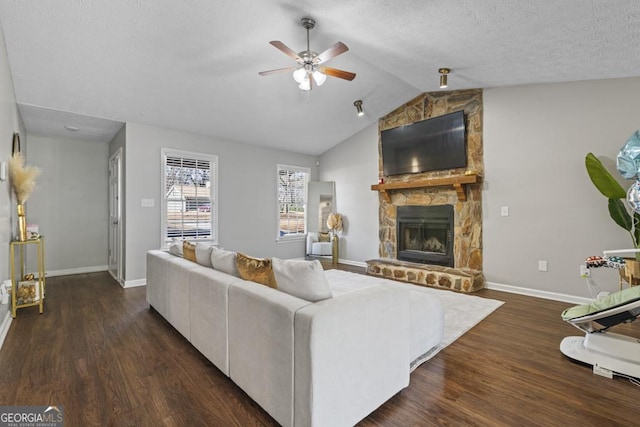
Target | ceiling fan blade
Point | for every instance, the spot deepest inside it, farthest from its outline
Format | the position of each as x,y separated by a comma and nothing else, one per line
278,70
332,52
284,48
341,74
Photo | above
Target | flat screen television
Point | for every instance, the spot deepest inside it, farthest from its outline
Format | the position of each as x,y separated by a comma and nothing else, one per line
432,144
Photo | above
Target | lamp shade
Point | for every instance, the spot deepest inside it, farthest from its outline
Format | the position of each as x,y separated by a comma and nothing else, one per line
299,74
305,84
443,77
319,77
358,105
443,81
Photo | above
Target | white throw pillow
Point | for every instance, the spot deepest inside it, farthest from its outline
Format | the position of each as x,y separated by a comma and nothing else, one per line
203,254
175,248
224,261
302,279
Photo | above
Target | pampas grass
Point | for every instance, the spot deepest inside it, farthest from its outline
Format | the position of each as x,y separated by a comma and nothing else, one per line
23,178
334,222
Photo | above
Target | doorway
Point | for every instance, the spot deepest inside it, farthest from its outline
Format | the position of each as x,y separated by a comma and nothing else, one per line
115,220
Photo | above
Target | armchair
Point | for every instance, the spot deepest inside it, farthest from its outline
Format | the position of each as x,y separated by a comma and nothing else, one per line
318,244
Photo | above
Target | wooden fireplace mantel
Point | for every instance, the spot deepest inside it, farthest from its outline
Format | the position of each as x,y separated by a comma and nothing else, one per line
457,182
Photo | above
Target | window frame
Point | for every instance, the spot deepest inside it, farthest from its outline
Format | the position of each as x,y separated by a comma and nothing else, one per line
307,171
213,192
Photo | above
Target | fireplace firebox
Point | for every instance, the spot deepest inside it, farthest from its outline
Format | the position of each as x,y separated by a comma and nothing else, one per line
425,234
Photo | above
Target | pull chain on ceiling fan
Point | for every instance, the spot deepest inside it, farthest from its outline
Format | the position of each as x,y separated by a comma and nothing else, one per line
309,71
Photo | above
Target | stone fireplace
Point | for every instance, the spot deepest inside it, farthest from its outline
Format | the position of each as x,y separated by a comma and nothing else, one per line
461,268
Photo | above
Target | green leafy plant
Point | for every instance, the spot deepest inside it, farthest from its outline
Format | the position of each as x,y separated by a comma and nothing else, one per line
612,190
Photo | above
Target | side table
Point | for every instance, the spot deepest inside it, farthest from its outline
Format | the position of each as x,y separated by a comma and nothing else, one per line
20,249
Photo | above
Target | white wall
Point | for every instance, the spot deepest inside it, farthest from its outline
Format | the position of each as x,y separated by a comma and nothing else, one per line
9,123
353,165
70,203
247,193
535,141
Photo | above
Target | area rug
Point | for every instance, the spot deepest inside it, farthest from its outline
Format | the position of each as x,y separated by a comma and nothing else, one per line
461,311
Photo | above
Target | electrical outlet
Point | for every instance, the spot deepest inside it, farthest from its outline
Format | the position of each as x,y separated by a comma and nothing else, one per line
542,265
584,271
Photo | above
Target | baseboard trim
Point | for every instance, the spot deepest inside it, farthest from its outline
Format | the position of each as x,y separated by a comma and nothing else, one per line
134,283
81,270
4,326
555,296
354,263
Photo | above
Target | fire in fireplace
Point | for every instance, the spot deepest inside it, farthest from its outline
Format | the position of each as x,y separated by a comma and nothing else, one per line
425,234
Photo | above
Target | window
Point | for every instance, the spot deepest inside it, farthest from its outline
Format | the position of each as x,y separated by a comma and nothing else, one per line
292,201
189,203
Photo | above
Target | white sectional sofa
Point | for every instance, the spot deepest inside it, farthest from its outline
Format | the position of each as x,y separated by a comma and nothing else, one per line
326,363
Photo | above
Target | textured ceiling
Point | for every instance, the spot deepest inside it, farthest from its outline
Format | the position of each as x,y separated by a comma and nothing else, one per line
194,65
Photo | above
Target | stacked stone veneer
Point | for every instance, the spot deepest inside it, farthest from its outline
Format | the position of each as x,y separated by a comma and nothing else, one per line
462,280
468,214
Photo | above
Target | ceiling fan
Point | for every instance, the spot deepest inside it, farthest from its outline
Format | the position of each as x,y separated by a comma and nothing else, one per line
309,71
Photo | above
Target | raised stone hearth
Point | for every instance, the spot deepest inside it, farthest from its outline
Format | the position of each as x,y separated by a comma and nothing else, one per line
456,279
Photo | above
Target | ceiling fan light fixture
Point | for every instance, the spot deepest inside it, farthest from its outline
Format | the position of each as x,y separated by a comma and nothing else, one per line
319,77
443,77
359,109
308,72
300,74
305,84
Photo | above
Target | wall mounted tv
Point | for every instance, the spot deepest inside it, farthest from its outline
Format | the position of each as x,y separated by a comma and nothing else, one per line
432,144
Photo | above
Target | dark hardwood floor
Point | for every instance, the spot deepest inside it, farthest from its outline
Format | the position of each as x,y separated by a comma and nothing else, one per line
99,351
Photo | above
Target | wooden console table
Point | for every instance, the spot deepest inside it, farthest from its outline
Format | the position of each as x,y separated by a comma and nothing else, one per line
457,182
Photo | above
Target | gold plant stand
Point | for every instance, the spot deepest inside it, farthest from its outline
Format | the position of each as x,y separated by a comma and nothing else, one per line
335,244
20,249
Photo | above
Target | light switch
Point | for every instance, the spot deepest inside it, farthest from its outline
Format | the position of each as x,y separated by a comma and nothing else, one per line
148,203
504,210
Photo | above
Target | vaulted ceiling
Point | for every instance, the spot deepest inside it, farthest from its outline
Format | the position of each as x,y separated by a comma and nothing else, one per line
193,65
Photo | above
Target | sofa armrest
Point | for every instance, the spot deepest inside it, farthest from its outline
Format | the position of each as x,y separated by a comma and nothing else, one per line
261,345
351,355
157,286
311,239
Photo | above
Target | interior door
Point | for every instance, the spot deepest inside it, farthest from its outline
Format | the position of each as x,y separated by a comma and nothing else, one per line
115,230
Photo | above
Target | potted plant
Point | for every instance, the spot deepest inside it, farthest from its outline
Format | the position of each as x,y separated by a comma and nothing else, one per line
23,182
628,165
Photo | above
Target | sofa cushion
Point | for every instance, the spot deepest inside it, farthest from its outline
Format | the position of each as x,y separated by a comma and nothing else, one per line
189,251
302,279
175,248
203,254
321,248
256,269
224,261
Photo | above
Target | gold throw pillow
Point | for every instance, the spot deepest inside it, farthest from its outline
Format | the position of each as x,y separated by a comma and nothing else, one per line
324,237
189,251
256,269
